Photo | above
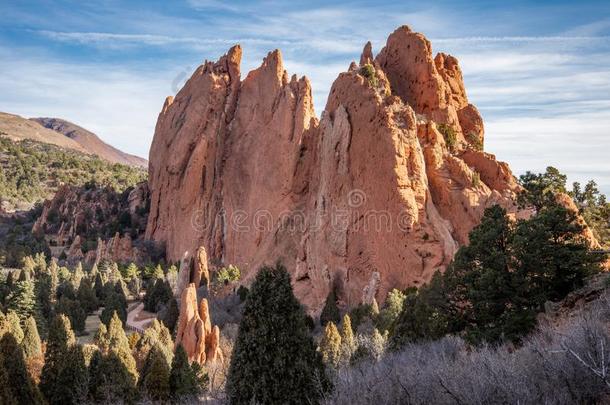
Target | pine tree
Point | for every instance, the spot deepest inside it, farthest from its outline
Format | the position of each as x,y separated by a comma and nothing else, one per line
131,272
31,339
182,380
6,392
553,256
156,379
391,310
330,312
10,323
157,335
78,275
348,343
158,273
275,359
44,293
330,345
114,304
29,264
22,300
115,372
99,287
74,311
22,387
115,274
159,294
59,345
171,314
86,296
41,262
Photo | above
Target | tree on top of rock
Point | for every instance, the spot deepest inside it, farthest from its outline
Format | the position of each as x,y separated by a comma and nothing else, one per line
275,358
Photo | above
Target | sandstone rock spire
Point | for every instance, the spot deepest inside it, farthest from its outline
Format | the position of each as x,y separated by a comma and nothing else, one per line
194,330
389,181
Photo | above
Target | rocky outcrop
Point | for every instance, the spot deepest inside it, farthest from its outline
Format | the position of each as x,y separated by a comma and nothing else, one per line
193,269
194,330
92,224
388,182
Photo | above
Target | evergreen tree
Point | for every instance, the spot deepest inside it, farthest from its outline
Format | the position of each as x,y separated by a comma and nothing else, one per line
22,300
182,380
553,256
6,392
10,323
160,294
44,295
391,310
157,335
330,345
41,262
156,380
483,275
86,296
348,343
99,287
21,386
10,280
114,372
74,311
172,314
427,314
114,304
31,339
540,190
72,380
78,275
131,272
64,375
59,344
275,359
330,312
29,264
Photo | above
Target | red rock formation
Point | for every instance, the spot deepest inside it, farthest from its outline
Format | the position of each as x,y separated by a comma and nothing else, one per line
200,269
74,214
376,186
194,330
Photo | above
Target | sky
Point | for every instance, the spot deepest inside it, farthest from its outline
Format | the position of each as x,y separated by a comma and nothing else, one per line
538,71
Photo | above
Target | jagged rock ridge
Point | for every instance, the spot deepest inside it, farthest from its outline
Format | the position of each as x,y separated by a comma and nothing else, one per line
378,193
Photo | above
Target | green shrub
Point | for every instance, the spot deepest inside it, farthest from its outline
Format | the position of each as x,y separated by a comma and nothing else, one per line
476,179
474,141
368,71
449,134
228,275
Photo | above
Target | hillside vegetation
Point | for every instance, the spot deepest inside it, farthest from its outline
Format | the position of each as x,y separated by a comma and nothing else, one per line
32,171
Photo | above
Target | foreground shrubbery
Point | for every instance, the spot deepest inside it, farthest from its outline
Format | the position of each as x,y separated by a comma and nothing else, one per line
559,365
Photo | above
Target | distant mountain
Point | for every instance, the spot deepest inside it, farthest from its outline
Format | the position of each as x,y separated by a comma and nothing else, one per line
90,142
18,128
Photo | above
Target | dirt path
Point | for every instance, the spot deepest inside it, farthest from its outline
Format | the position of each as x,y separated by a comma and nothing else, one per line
138,319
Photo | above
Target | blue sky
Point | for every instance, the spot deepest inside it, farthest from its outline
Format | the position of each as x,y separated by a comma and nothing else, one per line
538,71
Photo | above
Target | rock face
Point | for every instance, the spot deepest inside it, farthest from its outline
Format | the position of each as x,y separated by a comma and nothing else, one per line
377,194
194,330
94,224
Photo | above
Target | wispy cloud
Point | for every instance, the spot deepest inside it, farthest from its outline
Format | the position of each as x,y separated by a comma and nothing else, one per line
539,73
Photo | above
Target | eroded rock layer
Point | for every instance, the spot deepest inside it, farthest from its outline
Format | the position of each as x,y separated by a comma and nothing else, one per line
377,194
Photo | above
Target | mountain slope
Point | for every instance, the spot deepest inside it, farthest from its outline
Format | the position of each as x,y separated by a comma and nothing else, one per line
90,142
18,128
